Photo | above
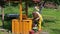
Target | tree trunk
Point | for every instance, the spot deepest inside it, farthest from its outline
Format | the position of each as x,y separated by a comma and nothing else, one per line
2,10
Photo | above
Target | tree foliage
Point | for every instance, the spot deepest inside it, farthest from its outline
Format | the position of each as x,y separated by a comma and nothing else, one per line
55,1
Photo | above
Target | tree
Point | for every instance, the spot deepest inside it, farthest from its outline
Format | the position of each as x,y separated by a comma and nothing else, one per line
55,1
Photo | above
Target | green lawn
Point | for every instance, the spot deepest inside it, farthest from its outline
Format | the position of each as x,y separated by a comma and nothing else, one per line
52,26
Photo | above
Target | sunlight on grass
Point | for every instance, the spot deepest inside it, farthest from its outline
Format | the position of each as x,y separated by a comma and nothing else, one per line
52,27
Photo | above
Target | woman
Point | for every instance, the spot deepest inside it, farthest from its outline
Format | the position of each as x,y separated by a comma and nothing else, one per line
37,20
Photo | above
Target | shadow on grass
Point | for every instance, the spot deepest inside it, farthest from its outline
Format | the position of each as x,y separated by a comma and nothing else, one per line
48,19
7,25
46,23
56,31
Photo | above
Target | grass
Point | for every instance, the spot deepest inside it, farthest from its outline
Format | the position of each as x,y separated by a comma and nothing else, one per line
52,27
53,15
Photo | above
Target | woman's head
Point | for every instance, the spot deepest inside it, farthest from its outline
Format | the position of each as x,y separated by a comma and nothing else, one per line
35,14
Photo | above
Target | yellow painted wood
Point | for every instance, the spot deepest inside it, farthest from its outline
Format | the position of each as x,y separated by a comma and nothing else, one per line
13,27
20,10
27,26
22,27
17,27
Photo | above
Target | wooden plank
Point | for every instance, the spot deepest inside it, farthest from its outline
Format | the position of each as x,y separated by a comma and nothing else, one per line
20,27
20,10
27,26
30,25
16,27
13,28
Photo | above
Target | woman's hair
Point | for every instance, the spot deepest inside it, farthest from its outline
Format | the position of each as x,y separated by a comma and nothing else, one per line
36,14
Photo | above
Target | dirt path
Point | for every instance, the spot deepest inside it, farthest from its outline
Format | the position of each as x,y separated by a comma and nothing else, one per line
3,31
44,32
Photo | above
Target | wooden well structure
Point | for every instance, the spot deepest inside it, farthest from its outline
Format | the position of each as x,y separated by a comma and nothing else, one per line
23,24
